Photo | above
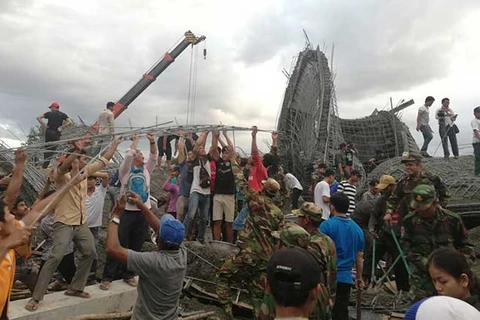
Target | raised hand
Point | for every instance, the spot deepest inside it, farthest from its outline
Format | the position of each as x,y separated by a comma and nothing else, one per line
20,156
151,137
134,198
254,131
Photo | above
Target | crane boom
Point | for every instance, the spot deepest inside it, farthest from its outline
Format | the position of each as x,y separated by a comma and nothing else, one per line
151,75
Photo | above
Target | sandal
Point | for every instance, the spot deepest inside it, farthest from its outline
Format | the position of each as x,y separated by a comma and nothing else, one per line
57,286
105,285
131,282
77,293
32,305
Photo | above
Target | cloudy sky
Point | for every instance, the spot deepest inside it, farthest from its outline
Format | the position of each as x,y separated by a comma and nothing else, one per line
85,53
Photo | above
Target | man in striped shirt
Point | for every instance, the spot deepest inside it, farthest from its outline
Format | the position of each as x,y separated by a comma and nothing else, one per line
348,187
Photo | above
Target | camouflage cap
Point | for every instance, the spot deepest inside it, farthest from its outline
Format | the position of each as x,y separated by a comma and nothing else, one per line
311,210
411,157
271,186
293,235
423,196
385,181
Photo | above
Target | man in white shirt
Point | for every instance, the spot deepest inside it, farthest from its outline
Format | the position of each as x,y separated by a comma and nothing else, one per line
423,125
200,191
476,139
447,128
321,194
106,120
295,189
94,205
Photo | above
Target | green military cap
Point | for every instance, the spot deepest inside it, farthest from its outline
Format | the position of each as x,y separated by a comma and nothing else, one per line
411,157
423,196
311,210
293,235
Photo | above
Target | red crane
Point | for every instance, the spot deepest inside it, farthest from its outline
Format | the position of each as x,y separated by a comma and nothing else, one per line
151,75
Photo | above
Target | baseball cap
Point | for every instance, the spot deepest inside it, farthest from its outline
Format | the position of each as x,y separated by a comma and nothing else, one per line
271,186
385,181
410,157
171,230
441,308
423,196
309,209
293,269
293,235
54,105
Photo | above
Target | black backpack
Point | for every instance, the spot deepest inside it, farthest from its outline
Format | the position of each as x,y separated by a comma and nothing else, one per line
204,176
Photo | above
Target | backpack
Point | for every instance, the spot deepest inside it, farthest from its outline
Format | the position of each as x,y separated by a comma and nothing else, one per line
137,183
204,177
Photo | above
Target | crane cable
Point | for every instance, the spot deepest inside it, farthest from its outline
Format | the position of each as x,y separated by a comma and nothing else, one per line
192,83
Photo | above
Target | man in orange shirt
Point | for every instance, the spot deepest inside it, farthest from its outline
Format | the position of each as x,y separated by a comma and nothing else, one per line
12,234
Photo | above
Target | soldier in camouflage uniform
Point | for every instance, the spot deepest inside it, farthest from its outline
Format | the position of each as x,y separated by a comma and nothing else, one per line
427,227
309,217
255,241
292,235
399,200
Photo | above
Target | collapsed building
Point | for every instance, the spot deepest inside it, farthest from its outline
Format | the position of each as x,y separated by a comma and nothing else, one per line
311,130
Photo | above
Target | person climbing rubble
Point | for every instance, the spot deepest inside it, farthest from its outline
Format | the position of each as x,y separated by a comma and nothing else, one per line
256,241
423,119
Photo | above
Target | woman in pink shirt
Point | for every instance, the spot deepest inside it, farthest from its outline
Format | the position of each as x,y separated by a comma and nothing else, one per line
171,185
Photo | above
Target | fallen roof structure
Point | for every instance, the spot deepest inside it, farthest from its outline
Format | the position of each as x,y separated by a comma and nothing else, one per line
311,131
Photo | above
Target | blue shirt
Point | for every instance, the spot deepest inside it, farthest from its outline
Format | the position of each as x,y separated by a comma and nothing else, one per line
349,240
185,184
333,187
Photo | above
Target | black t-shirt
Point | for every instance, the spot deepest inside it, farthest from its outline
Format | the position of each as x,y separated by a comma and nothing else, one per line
224,180
55,119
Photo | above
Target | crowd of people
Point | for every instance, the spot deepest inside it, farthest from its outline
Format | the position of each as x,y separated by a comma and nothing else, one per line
301,269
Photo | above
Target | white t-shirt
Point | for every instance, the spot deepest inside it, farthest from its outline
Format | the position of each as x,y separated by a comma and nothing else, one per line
196,178
475,126
106,122
94,206
424,113
322,189
292,182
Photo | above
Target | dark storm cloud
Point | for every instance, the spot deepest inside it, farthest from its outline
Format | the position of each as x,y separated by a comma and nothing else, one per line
379,45
84,60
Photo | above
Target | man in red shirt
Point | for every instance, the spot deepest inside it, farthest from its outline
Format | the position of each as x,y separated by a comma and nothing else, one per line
258,172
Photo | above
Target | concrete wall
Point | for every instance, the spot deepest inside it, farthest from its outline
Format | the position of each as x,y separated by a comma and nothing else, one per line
120,298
